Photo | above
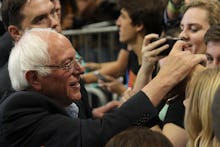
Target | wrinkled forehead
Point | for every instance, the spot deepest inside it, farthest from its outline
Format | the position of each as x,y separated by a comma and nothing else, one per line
59,47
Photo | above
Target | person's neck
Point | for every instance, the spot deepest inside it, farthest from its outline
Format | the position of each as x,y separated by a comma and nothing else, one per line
137,47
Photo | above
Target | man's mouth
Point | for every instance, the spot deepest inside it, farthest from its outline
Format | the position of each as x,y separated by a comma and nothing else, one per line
75,84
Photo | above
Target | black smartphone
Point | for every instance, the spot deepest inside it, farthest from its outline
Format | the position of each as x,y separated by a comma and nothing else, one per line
100,76
170,42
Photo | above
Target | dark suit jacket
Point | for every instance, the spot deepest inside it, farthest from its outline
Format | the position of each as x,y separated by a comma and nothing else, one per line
6,44
31,119
2,29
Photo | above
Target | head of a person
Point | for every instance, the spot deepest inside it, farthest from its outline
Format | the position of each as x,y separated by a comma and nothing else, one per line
139,17
199,96
86,8
69,10
21,15
216,114
44,61
57,7
212,41
198,16
140,137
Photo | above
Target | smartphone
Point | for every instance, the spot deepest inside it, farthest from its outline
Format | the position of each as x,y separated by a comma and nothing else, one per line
100,76
170,42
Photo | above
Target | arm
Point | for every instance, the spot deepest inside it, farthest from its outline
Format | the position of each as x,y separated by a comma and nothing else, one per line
178,136
149,59
114,69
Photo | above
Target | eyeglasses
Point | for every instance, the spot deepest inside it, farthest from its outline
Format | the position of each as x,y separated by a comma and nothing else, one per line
67,66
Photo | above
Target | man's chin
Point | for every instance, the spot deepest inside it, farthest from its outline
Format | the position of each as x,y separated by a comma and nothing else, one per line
76,96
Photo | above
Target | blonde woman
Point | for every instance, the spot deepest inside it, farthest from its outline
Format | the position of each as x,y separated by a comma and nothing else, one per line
198,119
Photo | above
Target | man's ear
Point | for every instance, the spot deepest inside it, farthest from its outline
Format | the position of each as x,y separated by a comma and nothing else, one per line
14,32
33,79
139,28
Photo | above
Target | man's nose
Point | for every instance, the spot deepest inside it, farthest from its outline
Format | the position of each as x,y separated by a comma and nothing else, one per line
78,69
118,21
54,21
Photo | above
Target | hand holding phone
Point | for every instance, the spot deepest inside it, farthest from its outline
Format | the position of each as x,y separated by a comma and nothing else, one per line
169,41
100,76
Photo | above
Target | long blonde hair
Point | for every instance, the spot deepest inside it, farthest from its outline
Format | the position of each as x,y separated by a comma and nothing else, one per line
198,120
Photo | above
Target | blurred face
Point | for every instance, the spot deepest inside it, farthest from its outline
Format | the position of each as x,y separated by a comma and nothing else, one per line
39,14
86,7
57,7
194,25
62,84
213,54
127,31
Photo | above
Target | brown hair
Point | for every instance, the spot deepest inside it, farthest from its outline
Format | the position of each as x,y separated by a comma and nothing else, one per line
146,12
140,137
213,34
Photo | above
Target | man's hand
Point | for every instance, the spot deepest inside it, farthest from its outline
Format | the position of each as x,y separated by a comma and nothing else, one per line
92,66
100,111
112,85
175,68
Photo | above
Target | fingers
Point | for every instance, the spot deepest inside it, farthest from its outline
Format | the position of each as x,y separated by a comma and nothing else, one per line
155,44
92,66
179,46
154,48
127,94
109,78
148,38
181,63
199,58
107,85
151,52
112,104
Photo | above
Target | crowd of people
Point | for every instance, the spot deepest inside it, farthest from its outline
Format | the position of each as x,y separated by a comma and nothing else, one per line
43,100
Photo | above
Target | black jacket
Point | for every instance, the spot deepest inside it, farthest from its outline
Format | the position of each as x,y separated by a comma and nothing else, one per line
31,119
6,44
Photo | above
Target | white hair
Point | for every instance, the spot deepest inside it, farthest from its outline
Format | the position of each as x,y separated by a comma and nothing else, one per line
30,52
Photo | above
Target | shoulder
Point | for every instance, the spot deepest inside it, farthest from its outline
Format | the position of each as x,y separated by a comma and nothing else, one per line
31,101
5,48
6,39
40,121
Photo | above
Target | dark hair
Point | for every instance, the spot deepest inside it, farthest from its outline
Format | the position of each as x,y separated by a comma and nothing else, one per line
11,12
146,12
213,33
68,6
140,137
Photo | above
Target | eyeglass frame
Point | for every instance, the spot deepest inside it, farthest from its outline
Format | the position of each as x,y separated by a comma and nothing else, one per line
68,66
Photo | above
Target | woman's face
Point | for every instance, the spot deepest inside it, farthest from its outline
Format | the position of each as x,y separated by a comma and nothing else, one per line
194,25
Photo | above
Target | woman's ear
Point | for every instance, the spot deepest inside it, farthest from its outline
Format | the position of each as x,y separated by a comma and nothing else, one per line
14,32
33,79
